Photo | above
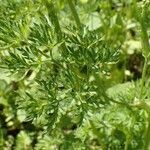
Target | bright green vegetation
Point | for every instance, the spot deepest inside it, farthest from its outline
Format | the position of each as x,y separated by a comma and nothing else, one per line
74,74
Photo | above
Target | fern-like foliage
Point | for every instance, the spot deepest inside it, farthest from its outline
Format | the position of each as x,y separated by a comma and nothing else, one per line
61,73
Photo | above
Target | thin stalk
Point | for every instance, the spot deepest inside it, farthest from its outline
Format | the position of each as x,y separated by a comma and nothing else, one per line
143,77
1,138
126,144
54,19
146,53
74,13
147,136
145,40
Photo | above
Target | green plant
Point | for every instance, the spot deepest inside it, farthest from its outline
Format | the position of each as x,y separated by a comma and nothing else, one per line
64,83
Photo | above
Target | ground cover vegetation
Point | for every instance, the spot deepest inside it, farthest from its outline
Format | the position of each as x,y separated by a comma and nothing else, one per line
74,75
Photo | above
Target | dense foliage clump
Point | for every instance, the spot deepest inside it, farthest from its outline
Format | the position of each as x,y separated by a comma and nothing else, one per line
74,75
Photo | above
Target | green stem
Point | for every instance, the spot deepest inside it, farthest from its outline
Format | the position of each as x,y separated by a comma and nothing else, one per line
54,19
147,136
146,53
145,41
144,34
143,77
74,13
126,144
1,138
